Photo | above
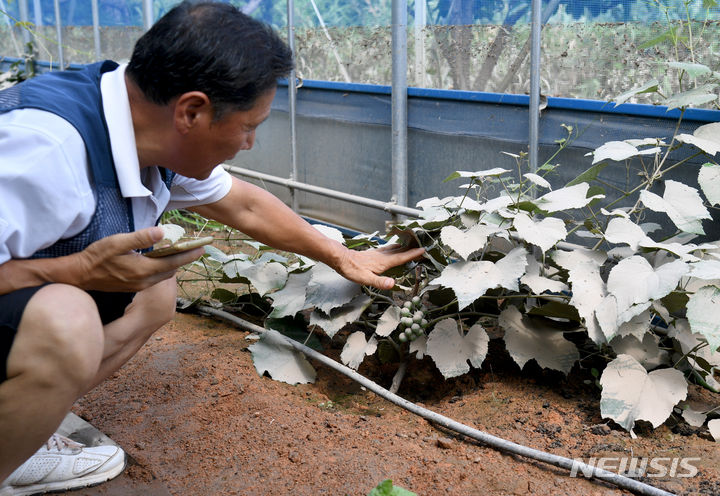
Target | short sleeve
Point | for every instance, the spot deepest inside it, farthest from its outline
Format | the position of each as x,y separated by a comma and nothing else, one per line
188,192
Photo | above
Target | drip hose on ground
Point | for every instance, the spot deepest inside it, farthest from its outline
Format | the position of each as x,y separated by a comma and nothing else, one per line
483,437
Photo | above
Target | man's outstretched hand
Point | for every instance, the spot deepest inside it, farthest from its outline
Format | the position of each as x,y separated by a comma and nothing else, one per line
365,267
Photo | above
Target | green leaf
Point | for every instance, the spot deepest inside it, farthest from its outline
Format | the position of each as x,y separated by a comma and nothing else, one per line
650,87
386,488
589,175
696,96
557,310
667,35
693,70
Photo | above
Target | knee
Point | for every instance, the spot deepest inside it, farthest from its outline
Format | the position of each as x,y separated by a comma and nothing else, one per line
60,337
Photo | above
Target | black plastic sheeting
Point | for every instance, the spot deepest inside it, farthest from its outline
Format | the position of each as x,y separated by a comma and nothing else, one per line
344,143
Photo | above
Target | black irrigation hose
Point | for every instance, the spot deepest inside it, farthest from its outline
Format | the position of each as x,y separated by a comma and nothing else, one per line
483,437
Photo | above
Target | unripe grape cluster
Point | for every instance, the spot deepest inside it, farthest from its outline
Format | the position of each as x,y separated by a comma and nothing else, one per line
412,320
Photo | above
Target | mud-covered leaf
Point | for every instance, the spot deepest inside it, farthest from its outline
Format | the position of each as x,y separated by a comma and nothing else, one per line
543,233
586,284
339,317
466,242
681,203
538,283
629,393
537,180
694,418
647,351
703,312
614,150
638,326
264,277
470,280
714,428
527,340
388,321
327,289
291,298
419,346
216,254
451,350
330,232
481,174
706,270
172,232
709,180
624,231
566,198
273,355
356,348
633,280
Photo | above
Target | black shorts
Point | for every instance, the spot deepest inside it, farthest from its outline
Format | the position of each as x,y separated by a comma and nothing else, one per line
12,306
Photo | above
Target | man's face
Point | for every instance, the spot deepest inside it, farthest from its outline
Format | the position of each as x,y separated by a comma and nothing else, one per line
209,145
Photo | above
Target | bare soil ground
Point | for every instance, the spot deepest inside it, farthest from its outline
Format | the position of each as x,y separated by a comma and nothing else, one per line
196,419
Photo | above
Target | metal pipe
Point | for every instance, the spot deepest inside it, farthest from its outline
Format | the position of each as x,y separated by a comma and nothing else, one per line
37,13
339,195
58,28
292,100
399,103
25,18
534,108
148,15
420,58
96,29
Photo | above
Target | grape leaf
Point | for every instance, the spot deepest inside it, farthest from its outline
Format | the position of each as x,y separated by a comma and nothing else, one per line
566,198
537,283
703,312
714,427
172,232
470,280
356,348
624,231
694,418
467,242
647,352
544,233
419,345
291,298
709,180
273,355
629,393
681,203
526,340
265,277
451,350
341,316
330,232
588,288
695,96
538,180
649,87
327,289
388,321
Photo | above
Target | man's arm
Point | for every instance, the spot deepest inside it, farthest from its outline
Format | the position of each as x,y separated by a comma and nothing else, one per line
109,264
265,218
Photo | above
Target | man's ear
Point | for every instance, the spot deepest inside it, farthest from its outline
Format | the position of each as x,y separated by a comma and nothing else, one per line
192,109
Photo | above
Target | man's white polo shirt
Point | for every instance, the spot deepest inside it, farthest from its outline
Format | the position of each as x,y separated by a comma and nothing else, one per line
45,192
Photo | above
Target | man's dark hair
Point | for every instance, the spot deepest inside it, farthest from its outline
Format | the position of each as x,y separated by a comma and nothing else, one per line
210,47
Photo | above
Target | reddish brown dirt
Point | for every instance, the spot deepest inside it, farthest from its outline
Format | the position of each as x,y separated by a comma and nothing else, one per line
191,411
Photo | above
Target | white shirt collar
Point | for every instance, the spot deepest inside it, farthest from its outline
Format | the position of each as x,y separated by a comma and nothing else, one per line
122,136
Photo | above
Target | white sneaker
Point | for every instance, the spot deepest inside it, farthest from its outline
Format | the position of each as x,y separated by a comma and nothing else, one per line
63,464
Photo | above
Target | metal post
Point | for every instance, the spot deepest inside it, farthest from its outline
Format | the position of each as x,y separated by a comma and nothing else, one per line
420,58
37,13
534,109
96,29
24,18
292,97
399,102
148,15
58,28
